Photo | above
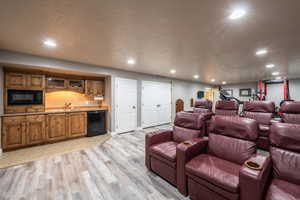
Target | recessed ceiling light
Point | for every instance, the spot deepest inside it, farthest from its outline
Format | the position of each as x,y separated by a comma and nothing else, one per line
50,43
213,80
224,83
131,61
173,71
236,14
278,78
196,76
261,52
270,65
275,73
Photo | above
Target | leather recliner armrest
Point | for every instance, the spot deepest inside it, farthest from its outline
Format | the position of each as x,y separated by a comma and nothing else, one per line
155,138
253,182
185,152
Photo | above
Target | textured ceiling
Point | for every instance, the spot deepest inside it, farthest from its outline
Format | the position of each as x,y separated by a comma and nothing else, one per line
193,37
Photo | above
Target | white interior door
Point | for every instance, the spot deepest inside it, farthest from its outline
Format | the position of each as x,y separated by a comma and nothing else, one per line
126,104
156,103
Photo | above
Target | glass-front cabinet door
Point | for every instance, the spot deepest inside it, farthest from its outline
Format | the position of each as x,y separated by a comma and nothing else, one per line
56,83
76,85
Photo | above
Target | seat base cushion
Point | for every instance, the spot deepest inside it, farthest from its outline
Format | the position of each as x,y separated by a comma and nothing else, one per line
166,150
198,191
216,171
280,190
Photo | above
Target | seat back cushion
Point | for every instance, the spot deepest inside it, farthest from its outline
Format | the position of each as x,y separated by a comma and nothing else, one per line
285,151
233,138
262,118
226,112
227,107
202,106
290,107
187,126
290,112
230,149
259,106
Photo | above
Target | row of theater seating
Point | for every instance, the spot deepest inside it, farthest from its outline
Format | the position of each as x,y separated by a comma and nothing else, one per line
262,111
215,168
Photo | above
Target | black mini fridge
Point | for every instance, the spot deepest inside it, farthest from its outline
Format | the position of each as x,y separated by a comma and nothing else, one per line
96,123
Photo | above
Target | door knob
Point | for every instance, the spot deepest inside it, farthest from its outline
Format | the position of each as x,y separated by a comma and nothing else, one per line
133,107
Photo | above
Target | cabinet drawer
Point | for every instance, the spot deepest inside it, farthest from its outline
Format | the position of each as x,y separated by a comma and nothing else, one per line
15,109
14,119
35,109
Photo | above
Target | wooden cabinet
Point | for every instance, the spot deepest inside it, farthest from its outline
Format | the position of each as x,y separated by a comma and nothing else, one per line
35,82
15,80
24,81
14,132
77,124
36,129
23,131
56,127
76,85
56,83
94,88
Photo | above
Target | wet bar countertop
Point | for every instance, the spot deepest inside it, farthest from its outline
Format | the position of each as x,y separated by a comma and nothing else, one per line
53,111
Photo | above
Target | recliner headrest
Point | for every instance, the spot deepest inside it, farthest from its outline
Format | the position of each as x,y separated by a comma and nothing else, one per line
259,106
189,120
290,107
285,136
207,104
227,105
234,126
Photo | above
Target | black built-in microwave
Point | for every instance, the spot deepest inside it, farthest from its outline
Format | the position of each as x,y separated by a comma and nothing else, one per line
24,97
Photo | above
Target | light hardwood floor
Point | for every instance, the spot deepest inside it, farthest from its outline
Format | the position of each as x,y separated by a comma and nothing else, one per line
112,171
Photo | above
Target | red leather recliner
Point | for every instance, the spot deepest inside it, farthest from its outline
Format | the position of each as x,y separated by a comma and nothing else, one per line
263,112
290,112
161,145
215,170
285,170
204,107
227,108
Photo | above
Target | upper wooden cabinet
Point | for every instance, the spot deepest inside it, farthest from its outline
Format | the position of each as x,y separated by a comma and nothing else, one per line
76,85
24,81
35,82
15,80
56,83
94,88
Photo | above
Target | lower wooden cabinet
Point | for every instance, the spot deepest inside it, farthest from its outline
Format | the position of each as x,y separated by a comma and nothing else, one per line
77,124
56,127
22,131
14,132
36,129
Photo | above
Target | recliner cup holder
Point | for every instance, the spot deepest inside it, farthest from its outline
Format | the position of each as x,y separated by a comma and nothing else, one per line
253,165
186,143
